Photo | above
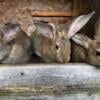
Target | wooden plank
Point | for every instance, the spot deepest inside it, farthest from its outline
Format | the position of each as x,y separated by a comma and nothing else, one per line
49,82
51,13
45,78
77,96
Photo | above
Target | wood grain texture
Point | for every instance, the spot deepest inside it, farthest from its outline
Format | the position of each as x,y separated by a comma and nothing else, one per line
49,78
49,82
80,7
76,96
51,13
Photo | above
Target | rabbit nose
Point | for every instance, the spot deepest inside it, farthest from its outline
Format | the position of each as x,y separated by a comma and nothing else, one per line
64,60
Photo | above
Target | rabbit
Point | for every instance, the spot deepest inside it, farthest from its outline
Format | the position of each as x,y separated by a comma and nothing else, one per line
52,45
84,49
17,42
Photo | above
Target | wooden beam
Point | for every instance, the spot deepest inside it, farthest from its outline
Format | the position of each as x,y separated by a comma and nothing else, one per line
51,13
70,96
49,78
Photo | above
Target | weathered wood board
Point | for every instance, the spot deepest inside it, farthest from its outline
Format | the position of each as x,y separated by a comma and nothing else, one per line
50,78
50,82
77,96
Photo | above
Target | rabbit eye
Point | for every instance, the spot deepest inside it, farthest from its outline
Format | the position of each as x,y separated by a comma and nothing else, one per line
57,46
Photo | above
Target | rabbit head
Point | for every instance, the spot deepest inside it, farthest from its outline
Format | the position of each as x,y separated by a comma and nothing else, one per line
87,48
50,44
10,30
53,45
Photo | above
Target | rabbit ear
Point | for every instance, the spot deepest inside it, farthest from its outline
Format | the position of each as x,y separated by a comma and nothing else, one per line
82,40
45,28
10,35
78,24
31,29
10,31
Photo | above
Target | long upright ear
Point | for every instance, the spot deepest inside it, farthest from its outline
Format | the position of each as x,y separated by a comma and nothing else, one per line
45,28
78,24
82,40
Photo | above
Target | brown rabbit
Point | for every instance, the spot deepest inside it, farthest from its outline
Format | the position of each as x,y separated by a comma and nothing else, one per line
52,45
17,41
85,49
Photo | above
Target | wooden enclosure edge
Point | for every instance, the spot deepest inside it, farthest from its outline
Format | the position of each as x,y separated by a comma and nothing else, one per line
49,78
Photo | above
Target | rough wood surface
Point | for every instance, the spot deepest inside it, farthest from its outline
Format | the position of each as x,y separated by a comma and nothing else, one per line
50,78
77,96
50,82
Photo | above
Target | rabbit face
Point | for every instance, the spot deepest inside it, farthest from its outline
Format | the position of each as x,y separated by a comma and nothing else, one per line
59,52
62,48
